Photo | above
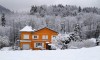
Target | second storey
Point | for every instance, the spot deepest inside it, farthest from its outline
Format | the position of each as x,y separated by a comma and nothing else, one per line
44,34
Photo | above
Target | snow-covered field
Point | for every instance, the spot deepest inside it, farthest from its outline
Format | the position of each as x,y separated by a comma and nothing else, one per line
68,54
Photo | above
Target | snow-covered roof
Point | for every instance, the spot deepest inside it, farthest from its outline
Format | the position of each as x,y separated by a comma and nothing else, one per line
27,29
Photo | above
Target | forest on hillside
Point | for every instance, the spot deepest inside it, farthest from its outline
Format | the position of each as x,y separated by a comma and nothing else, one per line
61,10
57,17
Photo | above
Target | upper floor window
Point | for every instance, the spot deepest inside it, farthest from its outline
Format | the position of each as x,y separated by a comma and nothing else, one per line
35,37
45,37
53,36
26,36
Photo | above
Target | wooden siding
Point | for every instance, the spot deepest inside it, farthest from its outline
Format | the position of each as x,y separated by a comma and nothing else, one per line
40,33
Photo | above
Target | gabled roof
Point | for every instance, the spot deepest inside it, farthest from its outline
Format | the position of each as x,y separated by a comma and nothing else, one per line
47,28
27,29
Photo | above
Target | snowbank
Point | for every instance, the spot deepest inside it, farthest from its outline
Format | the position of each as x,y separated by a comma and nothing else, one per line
6,49
85,43
70,54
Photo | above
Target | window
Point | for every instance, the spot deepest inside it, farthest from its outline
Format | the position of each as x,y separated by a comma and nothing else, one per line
26,36
35,36
53,36
26,46
38,45
45,37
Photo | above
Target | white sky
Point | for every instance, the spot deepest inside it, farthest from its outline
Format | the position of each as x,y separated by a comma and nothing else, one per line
25,5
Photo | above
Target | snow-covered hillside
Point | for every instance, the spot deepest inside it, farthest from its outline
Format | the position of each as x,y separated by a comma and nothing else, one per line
70,54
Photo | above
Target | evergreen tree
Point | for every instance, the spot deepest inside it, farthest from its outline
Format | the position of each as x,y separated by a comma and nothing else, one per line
33,10
97,34
3,20
97,31
63,27
76,36
77,32
79,10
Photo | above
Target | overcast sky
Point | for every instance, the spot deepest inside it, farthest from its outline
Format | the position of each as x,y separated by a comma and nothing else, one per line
25,5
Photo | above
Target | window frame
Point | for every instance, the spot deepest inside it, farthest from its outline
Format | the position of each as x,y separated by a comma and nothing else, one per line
52,36
37,46
27,36
35,35
44,37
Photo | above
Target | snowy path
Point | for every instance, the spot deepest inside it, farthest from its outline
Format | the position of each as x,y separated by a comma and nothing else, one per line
70,54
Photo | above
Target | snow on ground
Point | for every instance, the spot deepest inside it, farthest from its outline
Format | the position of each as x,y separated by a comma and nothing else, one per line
68,54
6,49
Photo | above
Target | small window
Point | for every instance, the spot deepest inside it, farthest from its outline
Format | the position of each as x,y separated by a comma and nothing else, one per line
26,36
35,36
45,37
38,45
53,36
26,46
